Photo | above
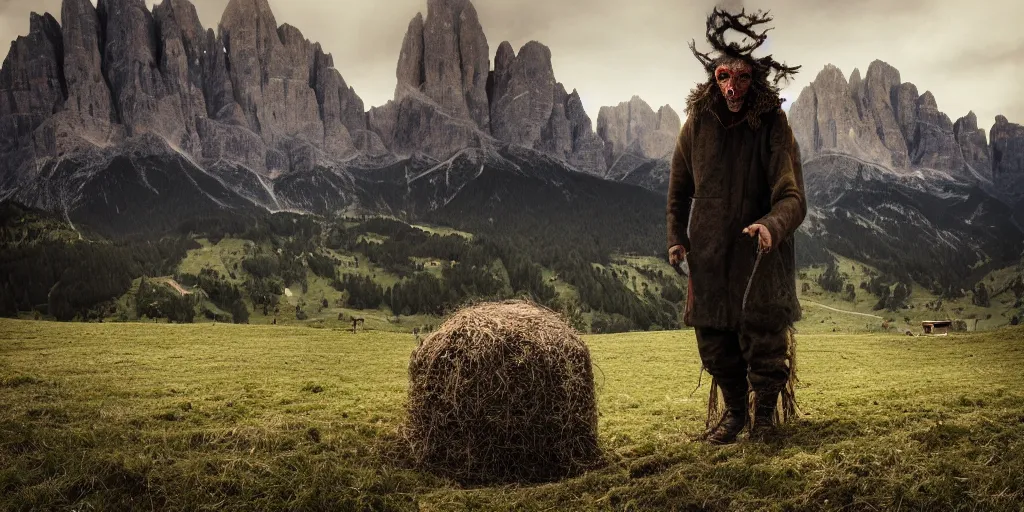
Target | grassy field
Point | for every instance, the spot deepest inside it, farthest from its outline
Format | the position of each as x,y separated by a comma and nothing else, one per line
225,257
442,230
226,417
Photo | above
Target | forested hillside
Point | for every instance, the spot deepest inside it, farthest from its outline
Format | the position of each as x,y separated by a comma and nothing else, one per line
399,275
415,271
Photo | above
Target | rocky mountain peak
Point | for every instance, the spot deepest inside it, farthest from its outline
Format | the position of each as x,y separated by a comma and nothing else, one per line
410,72
976,152
447,98
88,95
855,79
936,145
927,100
522,94
1007,140
130,64
632,132
968,122
504,56
668,119
291,36
252,94
185,16
882,120
827,117
32,84
448,59
530,108
875,107
247,12
441,100
831,73
878,118
881,70
44,24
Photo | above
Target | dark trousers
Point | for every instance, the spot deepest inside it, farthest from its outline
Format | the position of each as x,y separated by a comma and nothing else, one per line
731,356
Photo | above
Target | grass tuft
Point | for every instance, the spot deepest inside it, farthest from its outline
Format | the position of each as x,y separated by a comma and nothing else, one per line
13,381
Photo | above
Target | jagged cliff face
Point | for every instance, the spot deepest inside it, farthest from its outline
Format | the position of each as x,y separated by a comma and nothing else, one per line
440,103
33,81
252,94
634,136
973,145
1008,155
447,97
882,120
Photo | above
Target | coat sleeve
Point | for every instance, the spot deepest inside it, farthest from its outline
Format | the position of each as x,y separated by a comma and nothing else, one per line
680,189
785,177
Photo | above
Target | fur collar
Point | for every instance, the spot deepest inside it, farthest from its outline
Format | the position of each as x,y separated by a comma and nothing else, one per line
704,97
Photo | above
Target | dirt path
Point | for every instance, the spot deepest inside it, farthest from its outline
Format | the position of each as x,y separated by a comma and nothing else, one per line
805,301
174,284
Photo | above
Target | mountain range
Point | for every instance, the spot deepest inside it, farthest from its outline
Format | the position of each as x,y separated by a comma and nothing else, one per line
882,120
255,102
134,120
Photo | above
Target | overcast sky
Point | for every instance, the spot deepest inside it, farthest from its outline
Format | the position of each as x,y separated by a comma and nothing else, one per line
970,54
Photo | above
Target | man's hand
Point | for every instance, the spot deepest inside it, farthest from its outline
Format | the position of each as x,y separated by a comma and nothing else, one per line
764,237
676,254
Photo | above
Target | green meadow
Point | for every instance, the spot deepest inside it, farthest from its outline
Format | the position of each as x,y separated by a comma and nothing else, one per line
116,416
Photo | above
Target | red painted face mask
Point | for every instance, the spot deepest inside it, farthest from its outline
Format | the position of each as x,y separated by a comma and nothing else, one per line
734,80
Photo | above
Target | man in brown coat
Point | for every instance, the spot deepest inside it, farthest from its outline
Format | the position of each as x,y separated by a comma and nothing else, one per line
736,197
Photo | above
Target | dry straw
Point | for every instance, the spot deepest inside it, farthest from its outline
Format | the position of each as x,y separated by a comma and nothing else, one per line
503,392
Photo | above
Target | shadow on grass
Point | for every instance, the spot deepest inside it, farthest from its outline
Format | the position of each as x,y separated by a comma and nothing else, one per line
811,434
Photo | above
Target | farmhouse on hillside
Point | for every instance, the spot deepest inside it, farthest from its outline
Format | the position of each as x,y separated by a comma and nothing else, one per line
936,327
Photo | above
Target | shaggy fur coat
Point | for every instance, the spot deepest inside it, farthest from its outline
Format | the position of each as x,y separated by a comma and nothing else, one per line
728,172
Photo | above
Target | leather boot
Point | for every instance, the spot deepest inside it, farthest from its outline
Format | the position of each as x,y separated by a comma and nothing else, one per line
735,418
764,415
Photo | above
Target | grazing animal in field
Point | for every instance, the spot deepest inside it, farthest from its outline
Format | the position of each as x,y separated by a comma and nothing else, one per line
355,322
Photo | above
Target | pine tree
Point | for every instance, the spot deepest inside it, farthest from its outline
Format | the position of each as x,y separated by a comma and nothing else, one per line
981,295
141,299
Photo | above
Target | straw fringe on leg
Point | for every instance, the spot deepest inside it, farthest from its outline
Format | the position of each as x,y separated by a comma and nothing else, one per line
779,403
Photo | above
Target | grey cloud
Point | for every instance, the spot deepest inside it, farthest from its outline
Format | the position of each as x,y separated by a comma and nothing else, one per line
978,58
731,5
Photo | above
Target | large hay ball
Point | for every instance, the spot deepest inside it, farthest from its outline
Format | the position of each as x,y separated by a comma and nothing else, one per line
503,391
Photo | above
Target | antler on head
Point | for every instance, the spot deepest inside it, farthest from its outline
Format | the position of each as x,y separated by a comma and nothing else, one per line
705,58
782,71
720,21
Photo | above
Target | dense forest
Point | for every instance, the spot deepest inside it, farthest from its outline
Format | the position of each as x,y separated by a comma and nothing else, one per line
67,278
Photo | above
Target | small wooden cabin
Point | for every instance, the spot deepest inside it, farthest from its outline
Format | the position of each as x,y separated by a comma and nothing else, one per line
936,327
